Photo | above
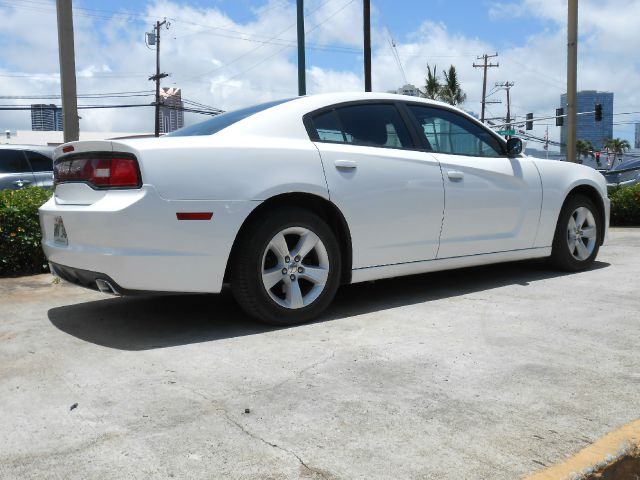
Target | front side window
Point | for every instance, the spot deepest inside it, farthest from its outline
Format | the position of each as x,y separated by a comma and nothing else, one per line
12,161
374,125
449,132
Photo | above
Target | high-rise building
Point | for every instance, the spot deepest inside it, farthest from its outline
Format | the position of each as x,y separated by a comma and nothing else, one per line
586,126
171,109
46,117
637,142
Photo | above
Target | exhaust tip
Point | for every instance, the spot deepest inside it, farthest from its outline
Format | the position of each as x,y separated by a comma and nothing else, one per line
105,287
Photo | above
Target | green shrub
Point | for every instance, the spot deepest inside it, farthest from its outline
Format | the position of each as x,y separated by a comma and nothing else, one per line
625,205
20,249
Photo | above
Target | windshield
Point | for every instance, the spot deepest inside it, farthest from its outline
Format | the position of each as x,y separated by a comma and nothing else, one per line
217,123
627,164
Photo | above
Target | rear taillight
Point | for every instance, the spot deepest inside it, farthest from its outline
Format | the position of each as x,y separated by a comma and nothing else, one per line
100,170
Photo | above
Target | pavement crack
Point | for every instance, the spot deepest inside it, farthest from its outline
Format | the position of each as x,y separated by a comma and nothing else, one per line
298,374
307,468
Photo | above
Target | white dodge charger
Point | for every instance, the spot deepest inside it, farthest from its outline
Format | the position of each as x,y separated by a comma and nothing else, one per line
290,199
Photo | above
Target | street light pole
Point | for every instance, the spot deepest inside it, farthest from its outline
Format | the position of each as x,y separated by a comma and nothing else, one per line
366,14
302,83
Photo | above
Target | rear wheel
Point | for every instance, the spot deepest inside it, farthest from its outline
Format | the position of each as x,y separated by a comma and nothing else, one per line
287,267
578,234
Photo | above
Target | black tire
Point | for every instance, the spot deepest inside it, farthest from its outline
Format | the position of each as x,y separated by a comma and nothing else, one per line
248,262
562,255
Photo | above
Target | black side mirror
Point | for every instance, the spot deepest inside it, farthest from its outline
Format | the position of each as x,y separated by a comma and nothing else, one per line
514,146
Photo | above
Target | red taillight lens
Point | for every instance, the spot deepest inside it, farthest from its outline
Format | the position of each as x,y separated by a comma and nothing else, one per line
100,170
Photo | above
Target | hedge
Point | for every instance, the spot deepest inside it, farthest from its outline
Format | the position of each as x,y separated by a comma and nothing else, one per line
20,249
625,206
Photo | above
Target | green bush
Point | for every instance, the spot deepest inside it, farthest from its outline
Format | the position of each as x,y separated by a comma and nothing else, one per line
20,249
625,205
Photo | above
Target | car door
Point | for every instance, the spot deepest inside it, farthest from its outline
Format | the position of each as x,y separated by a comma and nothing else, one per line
15,172
390,192
493,202
42,167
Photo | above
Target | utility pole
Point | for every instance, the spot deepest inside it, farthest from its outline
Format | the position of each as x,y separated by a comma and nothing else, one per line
507,86
572,77
302,82
366,14
156,39
66,53
485,65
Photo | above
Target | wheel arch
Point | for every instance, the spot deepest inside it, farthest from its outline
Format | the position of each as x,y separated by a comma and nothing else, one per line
592,194
322,207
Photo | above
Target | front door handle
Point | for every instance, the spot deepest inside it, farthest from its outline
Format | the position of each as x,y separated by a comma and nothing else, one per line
455,175
345,164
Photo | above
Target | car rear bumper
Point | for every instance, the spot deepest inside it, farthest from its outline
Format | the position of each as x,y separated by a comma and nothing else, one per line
133,240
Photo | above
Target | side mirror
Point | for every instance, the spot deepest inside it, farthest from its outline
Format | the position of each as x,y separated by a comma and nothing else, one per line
514,146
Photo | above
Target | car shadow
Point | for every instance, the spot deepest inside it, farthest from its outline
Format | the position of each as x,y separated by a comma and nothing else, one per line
143,323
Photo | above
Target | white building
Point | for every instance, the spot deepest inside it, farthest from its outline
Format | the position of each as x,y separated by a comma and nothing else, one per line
407,89
54,138
171,109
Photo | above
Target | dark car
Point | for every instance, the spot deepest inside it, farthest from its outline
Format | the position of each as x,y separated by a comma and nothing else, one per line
626,173
25,165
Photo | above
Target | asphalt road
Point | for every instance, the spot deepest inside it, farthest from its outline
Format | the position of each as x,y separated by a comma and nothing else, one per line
484,373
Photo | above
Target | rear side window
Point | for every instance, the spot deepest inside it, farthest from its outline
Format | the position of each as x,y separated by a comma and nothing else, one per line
39,162
374,125
13,161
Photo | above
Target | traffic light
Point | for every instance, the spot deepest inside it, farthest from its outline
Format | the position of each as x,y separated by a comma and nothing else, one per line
529,124
559,117
598,112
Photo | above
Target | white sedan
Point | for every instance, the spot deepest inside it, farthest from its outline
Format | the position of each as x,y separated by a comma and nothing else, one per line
290,199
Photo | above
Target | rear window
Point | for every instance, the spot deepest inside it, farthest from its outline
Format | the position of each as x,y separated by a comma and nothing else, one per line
219,122
13,161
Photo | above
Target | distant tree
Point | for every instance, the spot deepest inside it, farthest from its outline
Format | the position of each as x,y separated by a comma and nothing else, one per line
617,146
584,149
451,92
432,85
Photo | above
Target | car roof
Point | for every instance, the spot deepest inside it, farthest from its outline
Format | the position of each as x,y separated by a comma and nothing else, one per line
633,163
44,149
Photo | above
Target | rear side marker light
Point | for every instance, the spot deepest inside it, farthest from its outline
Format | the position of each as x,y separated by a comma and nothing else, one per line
194,215
67,149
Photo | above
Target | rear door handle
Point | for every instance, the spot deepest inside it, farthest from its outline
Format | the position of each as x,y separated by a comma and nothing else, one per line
345,164
455,175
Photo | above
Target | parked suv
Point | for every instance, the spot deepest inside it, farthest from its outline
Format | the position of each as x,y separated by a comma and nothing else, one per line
25,165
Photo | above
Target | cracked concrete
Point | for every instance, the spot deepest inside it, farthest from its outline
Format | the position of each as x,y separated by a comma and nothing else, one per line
489,373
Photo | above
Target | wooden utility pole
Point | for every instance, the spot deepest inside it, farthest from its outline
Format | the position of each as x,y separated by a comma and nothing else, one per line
572,78
507,86
158,76
366,14
302,82
485,65
66,53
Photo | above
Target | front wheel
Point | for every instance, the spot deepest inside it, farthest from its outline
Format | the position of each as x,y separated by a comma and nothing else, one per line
578,234
287,267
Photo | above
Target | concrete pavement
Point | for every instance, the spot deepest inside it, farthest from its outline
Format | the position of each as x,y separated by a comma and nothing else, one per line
484,373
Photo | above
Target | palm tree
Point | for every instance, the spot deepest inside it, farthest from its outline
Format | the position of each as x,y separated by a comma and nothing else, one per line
432,85
451,92
584,148
618,146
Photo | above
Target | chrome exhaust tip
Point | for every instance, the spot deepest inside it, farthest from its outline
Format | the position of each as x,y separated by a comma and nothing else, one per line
105,287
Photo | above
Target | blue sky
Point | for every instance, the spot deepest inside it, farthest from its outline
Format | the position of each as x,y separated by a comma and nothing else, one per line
230,53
